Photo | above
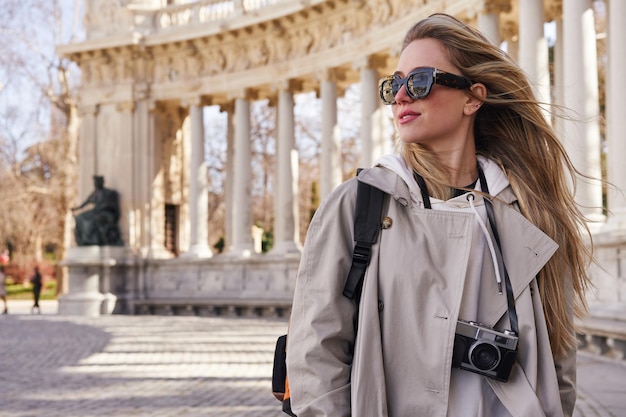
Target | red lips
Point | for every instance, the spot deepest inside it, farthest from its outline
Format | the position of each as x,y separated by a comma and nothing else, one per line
407,116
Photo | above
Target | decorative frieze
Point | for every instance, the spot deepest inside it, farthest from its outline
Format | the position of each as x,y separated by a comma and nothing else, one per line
314,35
103,17
497,6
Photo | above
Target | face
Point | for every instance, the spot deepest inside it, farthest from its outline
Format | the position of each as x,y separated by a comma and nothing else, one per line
439,121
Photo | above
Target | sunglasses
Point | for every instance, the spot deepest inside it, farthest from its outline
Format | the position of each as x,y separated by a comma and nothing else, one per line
418,83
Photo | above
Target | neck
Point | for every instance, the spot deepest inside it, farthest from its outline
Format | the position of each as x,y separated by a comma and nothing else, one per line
463,179
457,156
461,169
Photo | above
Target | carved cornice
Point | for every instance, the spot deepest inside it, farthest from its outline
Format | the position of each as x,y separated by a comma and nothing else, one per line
126,106
290,85
243,93
497,6
141,91
248,61
553,9
102,67
509,23
88,110
191,101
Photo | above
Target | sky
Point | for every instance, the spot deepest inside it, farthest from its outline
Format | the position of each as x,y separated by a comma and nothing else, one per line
28,37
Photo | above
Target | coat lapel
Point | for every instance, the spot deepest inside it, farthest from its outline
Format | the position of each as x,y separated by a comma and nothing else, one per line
525,250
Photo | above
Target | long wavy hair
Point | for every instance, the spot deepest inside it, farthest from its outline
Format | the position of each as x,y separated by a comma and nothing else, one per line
511,129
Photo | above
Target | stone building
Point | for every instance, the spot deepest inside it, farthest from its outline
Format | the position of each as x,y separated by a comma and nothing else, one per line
150,66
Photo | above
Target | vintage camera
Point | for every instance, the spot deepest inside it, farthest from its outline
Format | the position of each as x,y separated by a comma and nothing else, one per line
483,350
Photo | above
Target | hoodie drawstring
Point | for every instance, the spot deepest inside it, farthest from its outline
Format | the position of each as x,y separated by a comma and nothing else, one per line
470,198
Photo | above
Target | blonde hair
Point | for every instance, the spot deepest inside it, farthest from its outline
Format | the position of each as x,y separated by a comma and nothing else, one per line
511,129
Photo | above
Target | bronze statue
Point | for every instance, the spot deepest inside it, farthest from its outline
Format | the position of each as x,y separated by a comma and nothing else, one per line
98,225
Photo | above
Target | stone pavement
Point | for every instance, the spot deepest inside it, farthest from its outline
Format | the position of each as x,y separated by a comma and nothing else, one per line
152,366
158,366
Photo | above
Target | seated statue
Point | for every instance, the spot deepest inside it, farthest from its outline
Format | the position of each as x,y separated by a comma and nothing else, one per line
98,225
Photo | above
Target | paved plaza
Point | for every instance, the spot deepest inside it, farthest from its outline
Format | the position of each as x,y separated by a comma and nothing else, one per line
158,366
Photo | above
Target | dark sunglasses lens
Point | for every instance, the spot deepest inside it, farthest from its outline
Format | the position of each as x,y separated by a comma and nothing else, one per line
418,85
388,90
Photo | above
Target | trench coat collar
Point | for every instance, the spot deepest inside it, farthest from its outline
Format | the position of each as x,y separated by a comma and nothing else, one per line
387,181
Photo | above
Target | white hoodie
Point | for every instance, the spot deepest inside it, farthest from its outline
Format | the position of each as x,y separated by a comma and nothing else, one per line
470,394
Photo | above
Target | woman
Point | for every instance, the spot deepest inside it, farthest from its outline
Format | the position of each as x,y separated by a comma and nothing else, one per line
470,128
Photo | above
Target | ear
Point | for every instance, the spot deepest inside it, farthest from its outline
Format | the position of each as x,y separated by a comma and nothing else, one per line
475,99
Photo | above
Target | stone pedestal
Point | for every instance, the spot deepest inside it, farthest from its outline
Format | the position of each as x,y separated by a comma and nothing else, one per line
88,291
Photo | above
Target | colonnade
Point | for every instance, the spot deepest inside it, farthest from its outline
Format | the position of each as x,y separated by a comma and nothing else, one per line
574,87
143,86
375,141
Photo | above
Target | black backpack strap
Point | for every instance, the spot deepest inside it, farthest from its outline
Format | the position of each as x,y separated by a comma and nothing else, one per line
367,221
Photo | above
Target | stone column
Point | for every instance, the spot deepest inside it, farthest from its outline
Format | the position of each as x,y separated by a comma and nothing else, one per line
118,171
369,103
155,223
373,133
88,162
143,171
230,170
489,25
242,215
286,213
616,116
513,48
559,68
154,151
533,48
331,173
198,192
580,95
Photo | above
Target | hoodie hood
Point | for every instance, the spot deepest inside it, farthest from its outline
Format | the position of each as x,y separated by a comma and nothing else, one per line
496,180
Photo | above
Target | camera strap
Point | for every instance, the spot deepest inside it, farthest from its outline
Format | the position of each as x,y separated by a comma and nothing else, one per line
423,189
510,298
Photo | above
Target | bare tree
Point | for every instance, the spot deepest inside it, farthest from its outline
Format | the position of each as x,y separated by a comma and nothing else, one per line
215,157
263,141
263,146
40,129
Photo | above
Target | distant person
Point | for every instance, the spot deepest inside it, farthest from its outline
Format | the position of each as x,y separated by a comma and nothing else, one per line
3,290
36,281
98,225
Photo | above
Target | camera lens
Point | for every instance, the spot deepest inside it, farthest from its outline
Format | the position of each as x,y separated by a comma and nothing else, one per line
484,356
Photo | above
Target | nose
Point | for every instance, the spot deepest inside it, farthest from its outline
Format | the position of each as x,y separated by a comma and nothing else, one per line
402,96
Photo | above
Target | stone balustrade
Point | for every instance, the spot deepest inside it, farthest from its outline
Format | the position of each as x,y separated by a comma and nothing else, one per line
213,307
202,12
211,12
603,333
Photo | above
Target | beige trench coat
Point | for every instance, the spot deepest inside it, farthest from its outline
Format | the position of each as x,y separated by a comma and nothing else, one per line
399,365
